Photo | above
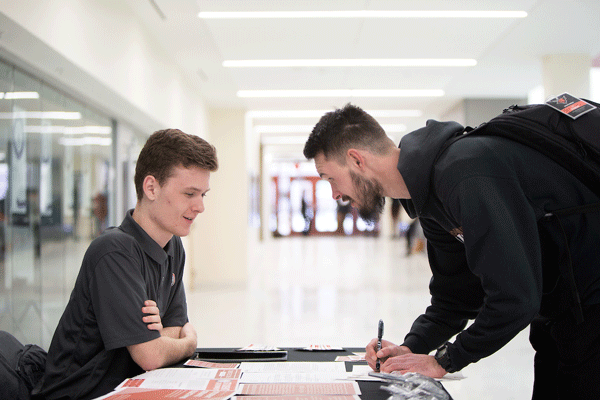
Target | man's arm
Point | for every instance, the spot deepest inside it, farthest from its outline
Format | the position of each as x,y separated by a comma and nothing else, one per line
165,350
159,353
502,251
456,294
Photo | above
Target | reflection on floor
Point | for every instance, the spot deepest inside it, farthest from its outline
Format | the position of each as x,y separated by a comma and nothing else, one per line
305,291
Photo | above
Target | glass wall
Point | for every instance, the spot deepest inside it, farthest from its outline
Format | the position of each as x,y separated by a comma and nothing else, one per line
55,186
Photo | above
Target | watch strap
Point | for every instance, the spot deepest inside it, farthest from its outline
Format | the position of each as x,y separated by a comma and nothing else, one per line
443,358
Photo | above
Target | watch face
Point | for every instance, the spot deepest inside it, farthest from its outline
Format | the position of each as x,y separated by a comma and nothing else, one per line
442,351
442,357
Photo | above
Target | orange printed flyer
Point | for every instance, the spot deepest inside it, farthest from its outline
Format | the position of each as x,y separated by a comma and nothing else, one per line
156,394
301,389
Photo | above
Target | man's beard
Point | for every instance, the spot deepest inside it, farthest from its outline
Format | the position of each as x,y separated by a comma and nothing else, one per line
369,194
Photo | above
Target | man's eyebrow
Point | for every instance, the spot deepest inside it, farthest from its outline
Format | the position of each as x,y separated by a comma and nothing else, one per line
195,189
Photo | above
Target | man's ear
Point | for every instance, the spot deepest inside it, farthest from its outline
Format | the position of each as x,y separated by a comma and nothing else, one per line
355,159
150,187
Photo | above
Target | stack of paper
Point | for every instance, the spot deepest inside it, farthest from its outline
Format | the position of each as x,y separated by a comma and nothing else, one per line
261,380
196,383
310,380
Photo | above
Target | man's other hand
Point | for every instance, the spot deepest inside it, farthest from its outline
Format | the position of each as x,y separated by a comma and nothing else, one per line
420,363
153,318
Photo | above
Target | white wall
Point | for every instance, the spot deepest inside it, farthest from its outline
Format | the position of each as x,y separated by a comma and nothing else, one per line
100,51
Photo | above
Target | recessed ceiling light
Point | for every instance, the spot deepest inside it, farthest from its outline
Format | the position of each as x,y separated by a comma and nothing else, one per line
399,62
361,14
343,93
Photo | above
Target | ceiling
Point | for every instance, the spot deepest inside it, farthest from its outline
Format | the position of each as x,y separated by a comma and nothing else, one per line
507,51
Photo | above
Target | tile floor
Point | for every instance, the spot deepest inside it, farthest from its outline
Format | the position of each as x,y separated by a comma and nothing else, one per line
329,290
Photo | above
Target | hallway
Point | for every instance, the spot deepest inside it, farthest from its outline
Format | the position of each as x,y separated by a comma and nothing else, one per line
334,290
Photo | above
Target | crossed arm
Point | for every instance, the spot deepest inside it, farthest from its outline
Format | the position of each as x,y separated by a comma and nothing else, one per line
174,344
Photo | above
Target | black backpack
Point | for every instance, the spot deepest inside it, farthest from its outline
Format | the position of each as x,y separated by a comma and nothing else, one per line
571,142
21,367
567,130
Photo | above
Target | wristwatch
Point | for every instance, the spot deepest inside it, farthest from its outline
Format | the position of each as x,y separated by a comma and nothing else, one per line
443,358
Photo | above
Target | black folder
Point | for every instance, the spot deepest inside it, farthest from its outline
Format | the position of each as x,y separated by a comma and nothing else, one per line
227,356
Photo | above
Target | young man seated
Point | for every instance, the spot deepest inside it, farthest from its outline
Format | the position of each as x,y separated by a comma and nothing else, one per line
127,312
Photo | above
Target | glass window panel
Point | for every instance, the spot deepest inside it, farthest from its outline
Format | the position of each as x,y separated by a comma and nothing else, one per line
55,158
6,84
53,249
24,218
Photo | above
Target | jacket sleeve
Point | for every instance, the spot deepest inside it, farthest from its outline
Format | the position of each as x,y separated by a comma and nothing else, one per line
502,250
450,308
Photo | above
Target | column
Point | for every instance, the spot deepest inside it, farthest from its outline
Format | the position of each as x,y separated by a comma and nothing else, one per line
217,248
566,73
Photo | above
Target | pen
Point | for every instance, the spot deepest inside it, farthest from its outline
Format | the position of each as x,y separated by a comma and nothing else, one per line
379,336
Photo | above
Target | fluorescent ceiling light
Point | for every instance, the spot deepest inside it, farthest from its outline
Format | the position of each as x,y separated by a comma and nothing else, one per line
286,113
342,93
69,130
87,140
398,62
320,113
40,115
89,129
19,95
43,129
360,14
394,127
283,128
282,140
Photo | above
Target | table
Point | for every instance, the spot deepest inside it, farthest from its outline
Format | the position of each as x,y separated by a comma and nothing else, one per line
371,390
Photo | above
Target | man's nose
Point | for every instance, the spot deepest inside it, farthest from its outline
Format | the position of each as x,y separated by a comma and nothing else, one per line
198,206
336,194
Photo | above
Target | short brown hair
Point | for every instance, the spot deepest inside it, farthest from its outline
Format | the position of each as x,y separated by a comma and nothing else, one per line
339,130
169,148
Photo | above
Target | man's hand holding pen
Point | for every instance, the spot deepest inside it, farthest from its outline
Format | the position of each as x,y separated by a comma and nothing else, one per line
388,349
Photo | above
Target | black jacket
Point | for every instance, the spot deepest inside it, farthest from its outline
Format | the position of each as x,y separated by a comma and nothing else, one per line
494,193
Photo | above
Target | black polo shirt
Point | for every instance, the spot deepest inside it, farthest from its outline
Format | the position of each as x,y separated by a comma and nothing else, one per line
120,270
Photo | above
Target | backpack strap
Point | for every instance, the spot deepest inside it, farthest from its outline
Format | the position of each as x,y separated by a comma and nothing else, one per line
586,208
565,263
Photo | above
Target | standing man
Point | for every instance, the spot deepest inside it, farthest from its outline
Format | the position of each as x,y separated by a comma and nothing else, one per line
492,194
128,313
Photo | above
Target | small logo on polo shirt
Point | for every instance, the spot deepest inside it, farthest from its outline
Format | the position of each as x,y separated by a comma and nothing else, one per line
173,280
